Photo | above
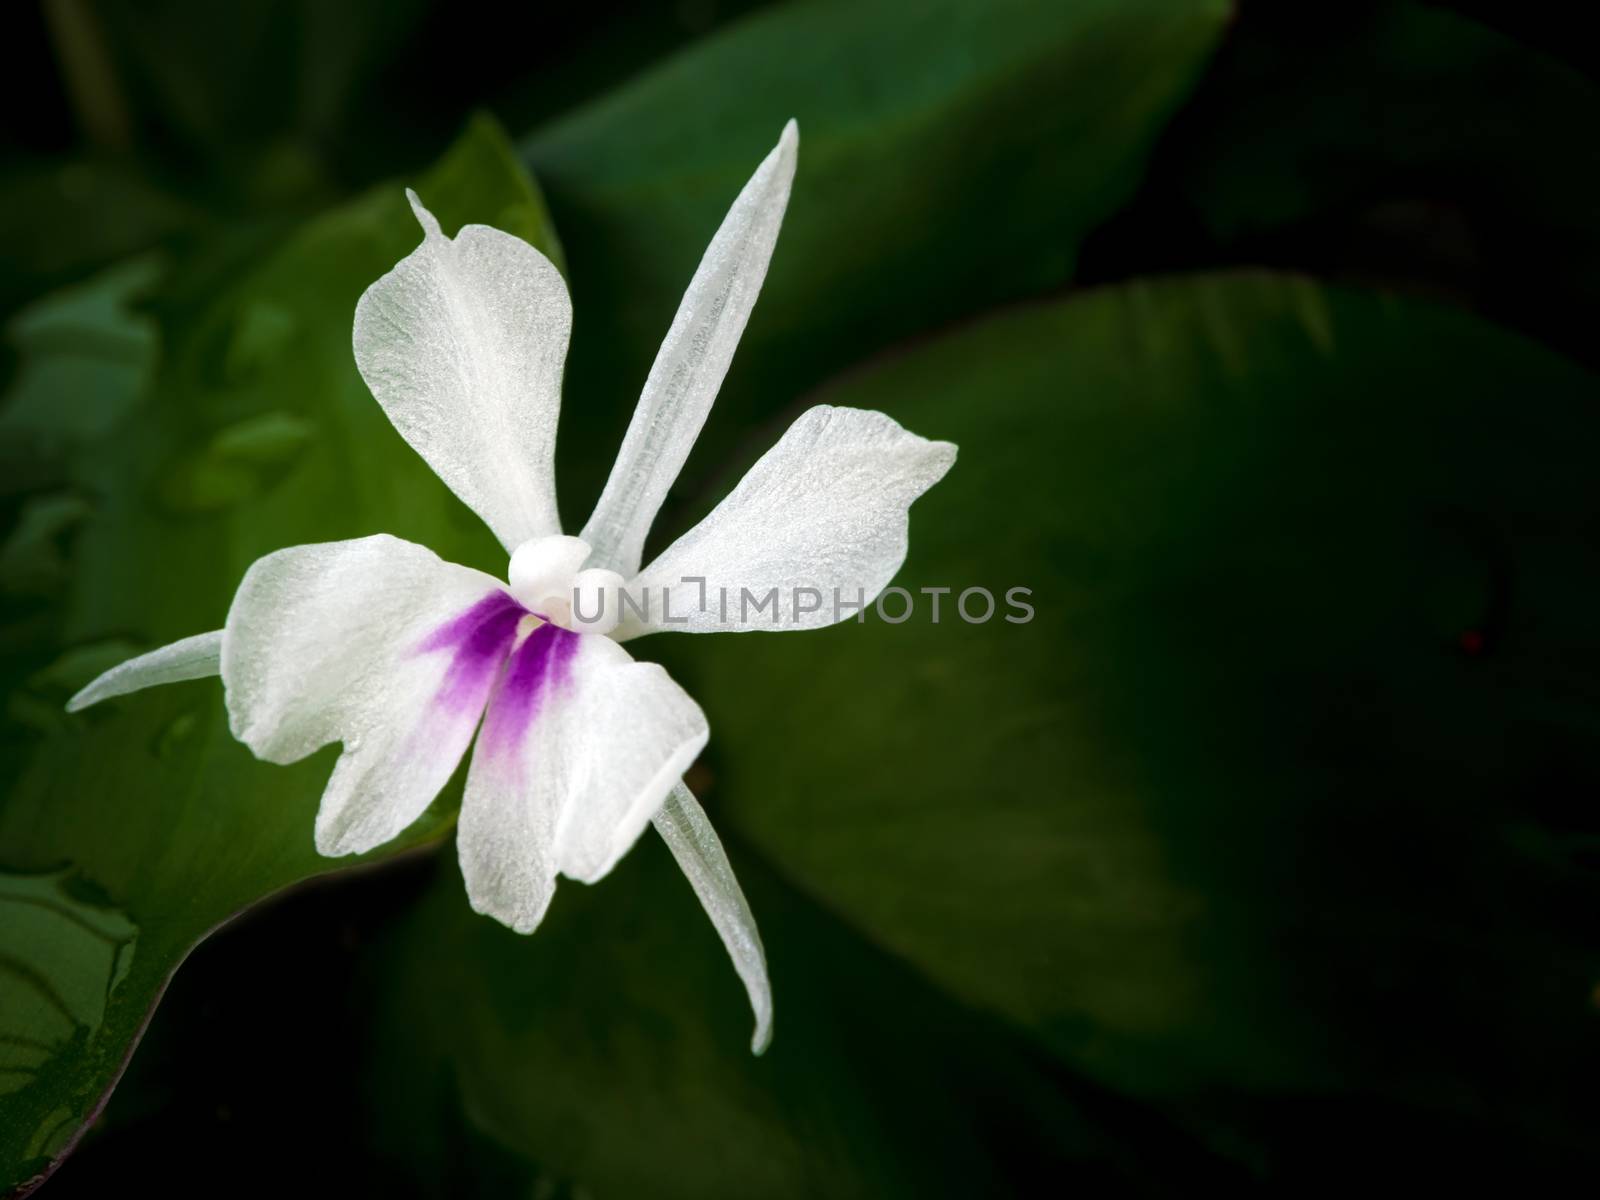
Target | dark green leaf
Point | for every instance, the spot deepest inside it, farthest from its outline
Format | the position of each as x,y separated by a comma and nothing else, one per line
133,831
84,360
610,1053
1552,27
1401,145
69,217
1287,789
260,74
952,155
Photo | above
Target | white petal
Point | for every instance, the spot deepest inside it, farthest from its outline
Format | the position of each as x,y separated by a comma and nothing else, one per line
192,658
691,363
683,825
376,643
821,519
579,747
463,344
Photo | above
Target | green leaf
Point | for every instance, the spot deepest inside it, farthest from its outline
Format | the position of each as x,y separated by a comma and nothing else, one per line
1549,26
131,833
952,156
1280,809
609,1054
256,93
68,218
84,360
1406,144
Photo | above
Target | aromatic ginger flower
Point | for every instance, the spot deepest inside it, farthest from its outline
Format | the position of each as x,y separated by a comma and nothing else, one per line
380,645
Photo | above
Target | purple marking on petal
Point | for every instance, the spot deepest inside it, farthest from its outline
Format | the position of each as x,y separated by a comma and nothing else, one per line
460,629
481,638
540,665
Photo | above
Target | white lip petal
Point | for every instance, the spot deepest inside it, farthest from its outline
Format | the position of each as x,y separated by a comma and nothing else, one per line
189,658
824,510
579,747
683,825
370,643
463,343
692,361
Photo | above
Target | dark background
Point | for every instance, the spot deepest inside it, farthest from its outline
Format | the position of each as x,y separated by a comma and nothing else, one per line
1327,918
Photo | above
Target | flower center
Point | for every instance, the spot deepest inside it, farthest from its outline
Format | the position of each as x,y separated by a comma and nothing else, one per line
547,579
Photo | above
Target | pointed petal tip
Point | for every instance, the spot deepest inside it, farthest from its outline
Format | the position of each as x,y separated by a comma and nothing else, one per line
787,151
429,223
693,360
187,658
762,1038
777,168
683,825
939,457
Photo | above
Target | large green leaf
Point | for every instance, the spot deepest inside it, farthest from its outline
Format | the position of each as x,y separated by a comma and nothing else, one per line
130,833
1266,820
609,1055
1281,809
952,155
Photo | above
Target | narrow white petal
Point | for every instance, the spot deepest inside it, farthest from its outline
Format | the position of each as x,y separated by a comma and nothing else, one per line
191,658
691,363
819,523
376,643
683,825
463,345
579,747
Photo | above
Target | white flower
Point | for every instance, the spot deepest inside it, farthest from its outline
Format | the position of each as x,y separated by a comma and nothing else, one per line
380,645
